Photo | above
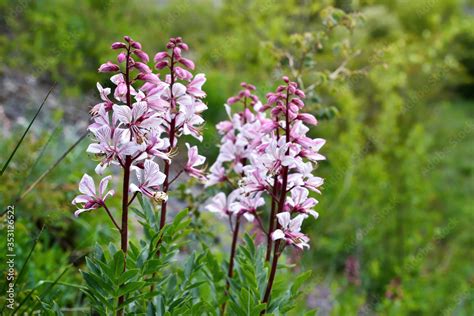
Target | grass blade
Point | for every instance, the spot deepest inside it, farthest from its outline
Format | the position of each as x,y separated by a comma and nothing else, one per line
47,290
47,171
24,264
26,131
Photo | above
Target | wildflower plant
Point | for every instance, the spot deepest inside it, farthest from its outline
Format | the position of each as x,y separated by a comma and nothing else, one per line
264,173
136,129
265,152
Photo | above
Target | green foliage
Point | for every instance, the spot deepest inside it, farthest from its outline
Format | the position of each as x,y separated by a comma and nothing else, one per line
385,79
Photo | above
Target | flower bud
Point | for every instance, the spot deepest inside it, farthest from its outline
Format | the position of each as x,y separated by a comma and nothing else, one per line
183,73
109,67
160,56
161,64
232,100
177,52
118,45
285,79
184,46
142,67
300,93
136,45
142,55
307,118
188,63
121,57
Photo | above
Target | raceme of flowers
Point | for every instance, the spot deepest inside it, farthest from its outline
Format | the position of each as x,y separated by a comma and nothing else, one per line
265,151
140,120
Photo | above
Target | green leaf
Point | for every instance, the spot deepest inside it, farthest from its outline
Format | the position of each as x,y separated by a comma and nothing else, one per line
118,263
130,287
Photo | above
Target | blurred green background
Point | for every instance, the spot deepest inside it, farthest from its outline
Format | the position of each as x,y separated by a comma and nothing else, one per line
390,81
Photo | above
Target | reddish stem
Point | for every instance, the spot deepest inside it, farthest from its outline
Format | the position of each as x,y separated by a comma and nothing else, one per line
172,132
271,225
126,187
271,278
281,205
233,249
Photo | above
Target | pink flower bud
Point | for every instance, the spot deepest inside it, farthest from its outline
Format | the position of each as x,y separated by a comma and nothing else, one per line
142,67
142,55
298,102
291,89
307,118
177,51
188,63
127,38
121,57
232,100
109,67
285,79
149,77
118,45
183,73
161,64
160,56
300,93
136,45
184,46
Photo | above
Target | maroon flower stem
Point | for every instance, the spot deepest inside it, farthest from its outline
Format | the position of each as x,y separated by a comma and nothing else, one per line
281,205
126,187
271,225
271,278
271,220
172,132
230,271
111,217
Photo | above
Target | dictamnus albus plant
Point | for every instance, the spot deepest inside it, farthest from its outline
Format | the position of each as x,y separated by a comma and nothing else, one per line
136,129
265,154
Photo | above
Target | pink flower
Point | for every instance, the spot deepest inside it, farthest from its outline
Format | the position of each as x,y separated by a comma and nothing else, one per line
137,119
300,203
90,199
195,86
157,146
221,205
194,160
190,121
107,104
149,180
291,230
111,145
217,175
247,206
121,89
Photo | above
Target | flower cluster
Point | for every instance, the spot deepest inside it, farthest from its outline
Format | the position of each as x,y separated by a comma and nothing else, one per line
138,123
240,137
272,156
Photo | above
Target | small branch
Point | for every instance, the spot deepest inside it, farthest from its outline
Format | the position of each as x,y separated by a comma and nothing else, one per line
175,177
111,217
133,198
259,221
